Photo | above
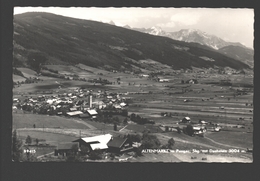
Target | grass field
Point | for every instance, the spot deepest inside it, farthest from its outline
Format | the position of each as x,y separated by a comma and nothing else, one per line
27,72
51,138
17,78
243,139
27,121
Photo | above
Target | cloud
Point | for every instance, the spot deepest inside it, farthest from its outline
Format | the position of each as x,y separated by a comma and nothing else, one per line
170,24
191,18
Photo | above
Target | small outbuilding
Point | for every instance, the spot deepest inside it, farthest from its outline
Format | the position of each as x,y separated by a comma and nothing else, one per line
192,81
186,120
92,113
74,113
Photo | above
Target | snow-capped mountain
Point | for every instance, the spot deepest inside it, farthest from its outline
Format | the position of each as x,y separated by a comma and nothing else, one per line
155,30
112,22
127,26
190,35
198,36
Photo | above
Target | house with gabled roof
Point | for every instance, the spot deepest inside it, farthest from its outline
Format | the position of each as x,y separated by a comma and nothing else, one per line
119,145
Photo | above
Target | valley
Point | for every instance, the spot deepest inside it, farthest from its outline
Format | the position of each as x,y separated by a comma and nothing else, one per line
76,80
163,103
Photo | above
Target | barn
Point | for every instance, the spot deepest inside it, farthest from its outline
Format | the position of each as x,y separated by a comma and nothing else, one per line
95,142
66,149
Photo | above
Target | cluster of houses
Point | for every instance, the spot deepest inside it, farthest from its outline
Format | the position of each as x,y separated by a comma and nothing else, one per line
106,143
198,128
78,103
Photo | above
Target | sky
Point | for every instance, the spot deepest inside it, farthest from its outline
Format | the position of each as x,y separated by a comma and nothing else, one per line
233,25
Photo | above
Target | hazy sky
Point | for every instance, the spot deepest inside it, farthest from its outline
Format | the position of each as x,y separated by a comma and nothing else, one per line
234,25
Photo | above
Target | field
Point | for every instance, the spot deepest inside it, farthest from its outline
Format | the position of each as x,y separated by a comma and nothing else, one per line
27,72
44,121
50,138
234,138
44,138
17,78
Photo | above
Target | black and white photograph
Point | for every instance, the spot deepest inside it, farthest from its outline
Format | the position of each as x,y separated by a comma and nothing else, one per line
133,84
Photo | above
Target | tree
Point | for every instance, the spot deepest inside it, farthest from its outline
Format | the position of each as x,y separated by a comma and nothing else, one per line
132,116
134,137
28,140
124,112
150,141
138,151
125,121
116,119
73,156
84,150
16,148
179,130
189,130
171,143
166,128
115,126
35,59
96,155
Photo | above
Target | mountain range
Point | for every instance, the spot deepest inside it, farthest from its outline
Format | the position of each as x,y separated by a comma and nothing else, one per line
232,49
60,39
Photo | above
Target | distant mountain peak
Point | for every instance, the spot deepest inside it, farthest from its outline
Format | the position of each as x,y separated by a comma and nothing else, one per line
111,22
198,36
127,26
156,28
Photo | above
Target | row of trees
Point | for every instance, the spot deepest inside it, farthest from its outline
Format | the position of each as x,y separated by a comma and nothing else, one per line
109,112
140,120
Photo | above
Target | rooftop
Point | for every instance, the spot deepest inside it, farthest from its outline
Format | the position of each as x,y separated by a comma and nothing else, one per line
104,139
116,142
74,113
63,146
92,112
100,146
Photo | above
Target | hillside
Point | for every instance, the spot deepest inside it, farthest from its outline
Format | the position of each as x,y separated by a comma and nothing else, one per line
243,54
45,37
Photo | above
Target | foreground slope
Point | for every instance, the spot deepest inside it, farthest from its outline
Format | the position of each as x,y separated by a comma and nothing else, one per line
67,40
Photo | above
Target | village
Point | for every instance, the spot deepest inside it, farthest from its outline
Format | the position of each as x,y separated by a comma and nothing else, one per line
56,116
120,142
